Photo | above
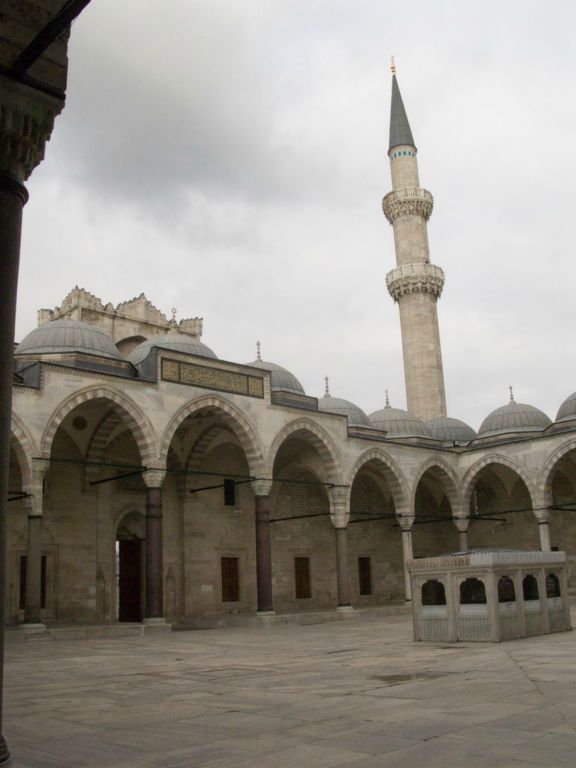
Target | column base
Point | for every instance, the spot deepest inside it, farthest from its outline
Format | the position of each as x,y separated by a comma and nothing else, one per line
33,627
344,608
4,753
156,624
266,613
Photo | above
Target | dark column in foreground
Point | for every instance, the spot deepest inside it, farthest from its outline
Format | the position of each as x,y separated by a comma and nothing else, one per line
342,567
154,609
263,555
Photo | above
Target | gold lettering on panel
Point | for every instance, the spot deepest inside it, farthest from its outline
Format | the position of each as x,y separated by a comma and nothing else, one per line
212,378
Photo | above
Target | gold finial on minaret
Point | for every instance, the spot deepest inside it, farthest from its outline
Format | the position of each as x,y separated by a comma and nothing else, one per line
258,351
173,322
392,65
327,390
511,395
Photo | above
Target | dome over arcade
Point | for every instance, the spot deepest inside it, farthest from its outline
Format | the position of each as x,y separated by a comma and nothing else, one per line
447,429
514,417
356,416
398,423
66,336
568,409
280,378
173,340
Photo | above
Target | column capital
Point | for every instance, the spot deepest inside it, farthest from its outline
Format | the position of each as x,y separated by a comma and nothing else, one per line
462,523
339,505
542,515
26,123
262,487
406,522
154,478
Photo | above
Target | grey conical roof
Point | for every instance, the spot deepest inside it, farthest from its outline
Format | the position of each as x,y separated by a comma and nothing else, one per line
400,132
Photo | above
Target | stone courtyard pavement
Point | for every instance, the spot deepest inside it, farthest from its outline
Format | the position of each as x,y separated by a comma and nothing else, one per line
356,693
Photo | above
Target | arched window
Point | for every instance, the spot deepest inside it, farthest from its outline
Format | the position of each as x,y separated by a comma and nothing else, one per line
530,588
552,585
433,593
506,593
472,592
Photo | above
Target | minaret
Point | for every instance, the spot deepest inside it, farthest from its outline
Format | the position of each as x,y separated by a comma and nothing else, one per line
415,283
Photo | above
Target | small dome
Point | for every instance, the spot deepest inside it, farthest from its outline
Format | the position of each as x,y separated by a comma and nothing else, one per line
356,416
177,342
65,336
399,423
280,378
447,429
567,409
514,417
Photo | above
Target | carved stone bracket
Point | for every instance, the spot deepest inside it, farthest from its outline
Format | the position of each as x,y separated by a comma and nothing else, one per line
408,202
415,278
339,506
261,487
154,478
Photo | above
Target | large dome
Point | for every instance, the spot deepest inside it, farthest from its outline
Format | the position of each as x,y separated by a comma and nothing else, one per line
567,409
356,416
65,336
447,429
514,417
280,378
177,342
399,423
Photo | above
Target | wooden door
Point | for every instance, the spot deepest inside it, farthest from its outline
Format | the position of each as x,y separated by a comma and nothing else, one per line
365,575
230,580
302,577
130,580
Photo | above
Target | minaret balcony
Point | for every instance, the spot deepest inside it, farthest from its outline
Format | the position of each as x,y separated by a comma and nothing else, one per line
415,278
408,202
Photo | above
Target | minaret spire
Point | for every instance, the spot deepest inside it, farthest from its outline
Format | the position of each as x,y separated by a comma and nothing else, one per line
415,284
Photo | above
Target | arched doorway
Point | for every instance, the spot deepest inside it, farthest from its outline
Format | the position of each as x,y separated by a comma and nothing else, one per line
434,532
130,535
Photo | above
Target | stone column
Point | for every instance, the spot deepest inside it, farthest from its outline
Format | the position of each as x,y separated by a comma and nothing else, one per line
543,516
340,515
154,603
265,600
26,121
34,506
462,524
408,555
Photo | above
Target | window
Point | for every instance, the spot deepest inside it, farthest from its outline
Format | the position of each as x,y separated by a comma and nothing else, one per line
433,593
530,588
472,592
230,580
229,492
552,585
302,577
23,582
506,593
365,575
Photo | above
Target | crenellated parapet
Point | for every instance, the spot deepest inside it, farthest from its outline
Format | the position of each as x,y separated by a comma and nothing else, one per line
408,202
415,278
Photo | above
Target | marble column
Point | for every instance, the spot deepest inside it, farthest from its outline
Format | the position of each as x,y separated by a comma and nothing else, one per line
543,516
264,595
154,602
462,524
34,506
408,554
340,515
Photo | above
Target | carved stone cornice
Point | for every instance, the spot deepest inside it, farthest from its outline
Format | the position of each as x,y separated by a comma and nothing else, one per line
26,123
415,278
408,202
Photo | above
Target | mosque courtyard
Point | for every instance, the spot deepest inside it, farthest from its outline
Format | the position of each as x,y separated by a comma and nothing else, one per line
351,693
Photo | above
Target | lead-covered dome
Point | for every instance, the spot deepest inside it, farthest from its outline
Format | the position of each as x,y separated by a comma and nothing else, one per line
356,416
567,409
65,336
514,417
446,428
176,342
280,378
398,423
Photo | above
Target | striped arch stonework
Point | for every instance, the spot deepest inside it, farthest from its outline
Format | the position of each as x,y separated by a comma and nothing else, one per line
234,419
449,480
544,482
469,480
204,442
99,442
24,447
131,413
393,475
318,438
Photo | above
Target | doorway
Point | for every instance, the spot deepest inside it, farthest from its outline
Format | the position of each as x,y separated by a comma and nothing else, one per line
130,568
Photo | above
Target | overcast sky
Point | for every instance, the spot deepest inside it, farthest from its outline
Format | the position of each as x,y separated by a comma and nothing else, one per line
228,158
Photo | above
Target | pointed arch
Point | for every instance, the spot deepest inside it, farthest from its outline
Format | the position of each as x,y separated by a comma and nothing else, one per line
471,476
232,416
204,442
544,482
139,424
392,473
317,437
24,448
448,479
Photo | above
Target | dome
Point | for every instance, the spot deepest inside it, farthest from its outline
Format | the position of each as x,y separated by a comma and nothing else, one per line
446,428
65,336
356,416
177,342
399,423
514,417
280,378
567,409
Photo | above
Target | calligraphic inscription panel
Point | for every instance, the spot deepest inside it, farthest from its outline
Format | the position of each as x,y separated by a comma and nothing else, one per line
212,378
